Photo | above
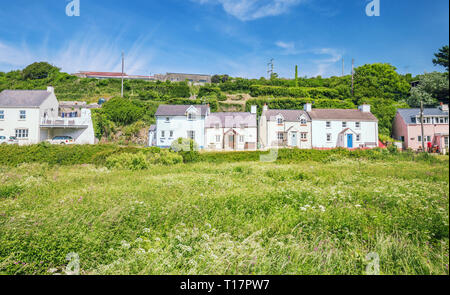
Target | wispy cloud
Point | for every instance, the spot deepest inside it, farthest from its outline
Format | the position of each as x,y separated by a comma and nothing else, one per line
247,10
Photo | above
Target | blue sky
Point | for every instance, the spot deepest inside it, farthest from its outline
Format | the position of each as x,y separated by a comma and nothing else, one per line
235,37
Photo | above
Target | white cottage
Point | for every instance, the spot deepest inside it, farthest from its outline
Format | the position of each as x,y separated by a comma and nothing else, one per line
285,128
181,121
231,131
332,128
33,116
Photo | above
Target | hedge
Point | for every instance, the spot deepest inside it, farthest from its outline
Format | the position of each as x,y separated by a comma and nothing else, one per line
308,92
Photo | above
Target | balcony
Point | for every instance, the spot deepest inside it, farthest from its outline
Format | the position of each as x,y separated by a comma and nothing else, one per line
71,123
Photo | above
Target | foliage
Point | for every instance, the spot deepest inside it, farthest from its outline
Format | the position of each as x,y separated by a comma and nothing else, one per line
380,80
432,88
442,57
298,92
39,70
141,160
122,111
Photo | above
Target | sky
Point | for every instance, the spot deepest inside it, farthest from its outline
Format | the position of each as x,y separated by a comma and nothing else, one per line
234,37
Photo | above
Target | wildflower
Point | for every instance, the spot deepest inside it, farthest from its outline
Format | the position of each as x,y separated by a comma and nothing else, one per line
146,230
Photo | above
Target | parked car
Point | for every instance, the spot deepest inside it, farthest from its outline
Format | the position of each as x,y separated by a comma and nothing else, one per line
62,140
11,140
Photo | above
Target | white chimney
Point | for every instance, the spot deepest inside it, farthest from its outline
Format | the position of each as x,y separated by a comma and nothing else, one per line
365,108
307,107
265,108
50,89
254,109
444,107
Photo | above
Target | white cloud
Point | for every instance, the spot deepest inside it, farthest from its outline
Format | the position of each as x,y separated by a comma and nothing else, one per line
247,10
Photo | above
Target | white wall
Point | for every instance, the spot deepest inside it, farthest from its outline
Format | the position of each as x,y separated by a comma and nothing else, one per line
273,128
250,136
12,121
368,132
180,126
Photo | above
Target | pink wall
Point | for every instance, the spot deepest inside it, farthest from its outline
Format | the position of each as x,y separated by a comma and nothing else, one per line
399,129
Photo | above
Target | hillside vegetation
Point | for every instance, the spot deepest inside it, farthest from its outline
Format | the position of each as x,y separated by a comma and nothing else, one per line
125,120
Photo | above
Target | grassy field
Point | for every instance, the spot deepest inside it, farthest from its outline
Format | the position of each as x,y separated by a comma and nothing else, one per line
240,218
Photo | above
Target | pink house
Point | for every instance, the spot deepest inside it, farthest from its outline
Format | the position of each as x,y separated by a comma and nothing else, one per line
407,128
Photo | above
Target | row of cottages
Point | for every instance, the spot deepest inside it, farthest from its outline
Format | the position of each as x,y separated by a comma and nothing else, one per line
407,128
318,128
34,116
212,131
304,129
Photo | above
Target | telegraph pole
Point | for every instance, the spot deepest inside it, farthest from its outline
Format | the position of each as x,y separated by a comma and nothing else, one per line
342,67
421,125
123,68
353,75
270,68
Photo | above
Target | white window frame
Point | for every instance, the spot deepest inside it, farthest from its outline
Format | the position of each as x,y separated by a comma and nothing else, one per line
163,134
167,120
241,138
358,125
191,134
191,117
329,137
280,121
170,133
22,133
344,124
419,138
304,135
358,137
22,115
303,121
280,137
218,137
2,115
328,124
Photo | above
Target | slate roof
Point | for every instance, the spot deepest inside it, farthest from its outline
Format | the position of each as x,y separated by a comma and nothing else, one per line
288,115
23,98
341,114
231,119
179,110
408,114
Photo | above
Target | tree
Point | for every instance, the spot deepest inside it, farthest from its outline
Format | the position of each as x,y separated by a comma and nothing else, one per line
380,80
122,111
296,76
215,79
39,70
432,88
442,58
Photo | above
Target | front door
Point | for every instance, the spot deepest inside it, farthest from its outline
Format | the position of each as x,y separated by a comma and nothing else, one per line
294,139
350,141
231,141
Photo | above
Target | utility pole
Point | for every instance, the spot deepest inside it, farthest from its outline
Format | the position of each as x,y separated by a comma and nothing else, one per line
342,67
123,68
421,125
353,76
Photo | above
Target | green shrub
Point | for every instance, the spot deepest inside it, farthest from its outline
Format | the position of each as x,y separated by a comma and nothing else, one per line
122,111
9,191
127,161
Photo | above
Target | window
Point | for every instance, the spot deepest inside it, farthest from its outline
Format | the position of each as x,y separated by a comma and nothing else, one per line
402,138
358,125
328,124
191,134
2,115
171,134
22,133
441,120
358,137
23,115
280,121
446,120
167,120
303,135
241,138
429,138
329,137
191,117
413,119
280,136
163,134
244,126
344,124
218,138
446,141
419,138
217,126
303,121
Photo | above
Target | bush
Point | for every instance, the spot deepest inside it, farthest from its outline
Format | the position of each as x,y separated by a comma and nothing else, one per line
142,160
122,111
9,191
309,92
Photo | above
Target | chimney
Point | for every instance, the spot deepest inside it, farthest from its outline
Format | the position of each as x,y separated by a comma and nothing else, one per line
265,108
254,109
444,107
307,107
50,89
365,108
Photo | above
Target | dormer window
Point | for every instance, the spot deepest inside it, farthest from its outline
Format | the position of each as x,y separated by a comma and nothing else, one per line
303,121
167,119
280,121
23,115
191,117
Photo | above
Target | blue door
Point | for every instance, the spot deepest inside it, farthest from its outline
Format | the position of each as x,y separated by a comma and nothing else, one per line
294,139
350,141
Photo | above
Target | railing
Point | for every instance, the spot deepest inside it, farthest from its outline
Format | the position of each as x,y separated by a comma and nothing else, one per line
65,122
